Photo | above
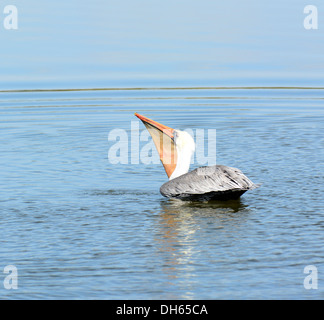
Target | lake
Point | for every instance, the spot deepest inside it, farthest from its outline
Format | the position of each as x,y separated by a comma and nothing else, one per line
77,226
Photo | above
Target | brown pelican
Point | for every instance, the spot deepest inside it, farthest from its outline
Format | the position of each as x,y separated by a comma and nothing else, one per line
176,148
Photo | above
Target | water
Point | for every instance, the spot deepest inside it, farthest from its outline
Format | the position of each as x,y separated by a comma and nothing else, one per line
78,227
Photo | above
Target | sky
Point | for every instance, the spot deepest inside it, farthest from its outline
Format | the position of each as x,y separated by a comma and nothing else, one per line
131,43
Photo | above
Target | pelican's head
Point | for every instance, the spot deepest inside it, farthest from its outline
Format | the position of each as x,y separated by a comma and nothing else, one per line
183,141
175,147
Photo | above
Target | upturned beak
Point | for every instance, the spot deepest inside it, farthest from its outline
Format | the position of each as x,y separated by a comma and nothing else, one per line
163,138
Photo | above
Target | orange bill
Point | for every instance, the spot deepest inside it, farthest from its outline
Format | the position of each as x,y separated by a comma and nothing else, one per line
163,139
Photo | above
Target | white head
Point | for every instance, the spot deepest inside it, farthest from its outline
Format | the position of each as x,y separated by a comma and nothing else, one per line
185,146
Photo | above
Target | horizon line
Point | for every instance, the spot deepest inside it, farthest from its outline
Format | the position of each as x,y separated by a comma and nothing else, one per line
164,88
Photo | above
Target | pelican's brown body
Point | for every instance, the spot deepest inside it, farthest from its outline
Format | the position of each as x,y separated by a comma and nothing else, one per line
208,183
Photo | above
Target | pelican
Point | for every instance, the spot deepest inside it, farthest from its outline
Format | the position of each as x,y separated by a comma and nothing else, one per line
206,183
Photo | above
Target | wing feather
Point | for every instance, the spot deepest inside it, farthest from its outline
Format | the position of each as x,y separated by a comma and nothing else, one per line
207,179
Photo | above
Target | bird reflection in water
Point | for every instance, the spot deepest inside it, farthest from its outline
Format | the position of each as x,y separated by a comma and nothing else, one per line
182,236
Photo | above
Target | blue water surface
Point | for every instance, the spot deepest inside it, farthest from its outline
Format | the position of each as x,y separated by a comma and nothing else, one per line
78,226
